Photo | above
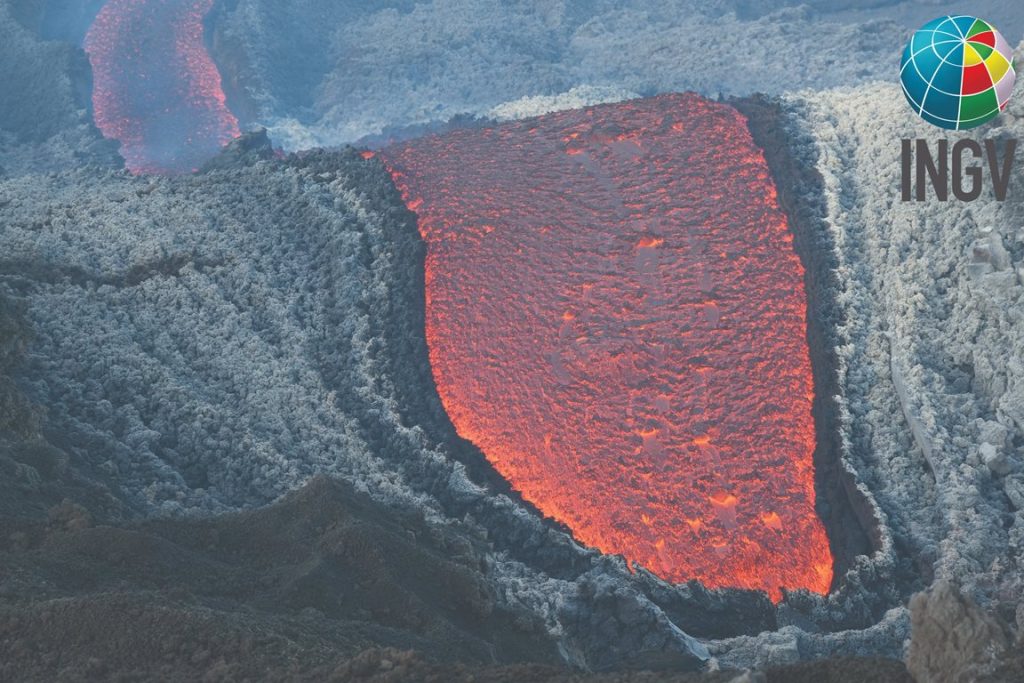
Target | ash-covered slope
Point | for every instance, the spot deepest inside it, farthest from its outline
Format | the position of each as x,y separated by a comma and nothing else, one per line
326,72
324,585
930,341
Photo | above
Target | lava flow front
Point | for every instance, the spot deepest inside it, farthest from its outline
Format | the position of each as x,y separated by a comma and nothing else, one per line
155,88
616,317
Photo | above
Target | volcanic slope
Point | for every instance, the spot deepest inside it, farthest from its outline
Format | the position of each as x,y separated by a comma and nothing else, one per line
931,343
347,59
204,344
208,343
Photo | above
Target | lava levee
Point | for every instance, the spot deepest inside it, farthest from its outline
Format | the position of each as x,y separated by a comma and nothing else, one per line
616,317
156,90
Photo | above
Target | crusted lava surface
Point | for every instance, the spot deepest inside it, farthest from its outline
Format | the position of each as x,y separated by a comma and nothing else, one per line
616,316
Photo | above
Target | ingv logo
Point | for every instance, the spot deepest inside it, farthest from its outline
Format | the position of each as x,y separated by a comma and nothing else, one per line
957,73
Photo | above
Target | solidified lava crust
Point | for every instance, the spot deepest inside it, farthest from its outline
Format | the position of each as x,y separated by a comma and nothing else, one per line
616,317
156,89
849,518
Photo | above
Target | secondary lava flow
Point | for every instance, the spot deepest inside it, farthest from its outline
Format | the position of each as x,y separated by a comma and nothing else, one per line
616,317
155,88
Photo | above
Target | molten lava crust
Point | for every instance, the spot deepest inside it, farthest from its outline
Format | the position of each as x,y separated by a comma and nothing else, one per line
156,90
616,317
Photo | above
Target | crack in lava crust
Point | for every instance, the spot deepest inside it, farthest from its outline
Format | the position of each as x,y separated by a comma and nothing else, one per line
616,317
155,87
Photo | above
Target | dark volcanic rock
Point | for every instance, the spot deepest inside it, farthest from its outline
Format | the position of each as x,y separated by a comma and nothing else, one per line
242,151
316,577
324,585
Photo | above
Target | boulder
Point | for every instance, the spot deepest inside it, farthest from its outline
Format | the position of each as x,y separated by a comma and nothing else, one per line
952,639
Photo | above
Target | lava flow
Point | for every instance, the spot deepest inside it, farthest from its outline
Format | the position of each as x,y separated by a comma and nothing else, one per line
616,317
155,88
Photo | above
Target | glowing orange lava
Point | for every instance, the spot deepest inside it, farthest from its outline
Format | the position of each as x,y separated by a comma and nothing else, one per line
155,88
616,317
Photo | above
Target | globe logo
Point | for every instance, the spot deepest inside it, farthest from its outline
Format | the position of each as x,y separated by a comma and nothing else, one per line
957,72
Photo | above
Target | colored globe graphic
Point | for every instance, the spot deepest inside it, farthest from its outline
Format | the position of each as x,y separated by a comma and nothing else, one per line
957,72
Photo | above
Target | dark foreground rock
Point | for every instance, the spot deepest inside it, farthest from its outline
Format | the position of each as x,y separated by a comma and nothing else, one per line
324,585
316,578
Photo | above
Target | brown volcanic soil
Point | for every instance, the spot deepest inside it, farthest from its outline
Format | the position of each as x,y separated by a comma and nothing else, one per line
324,585
295,588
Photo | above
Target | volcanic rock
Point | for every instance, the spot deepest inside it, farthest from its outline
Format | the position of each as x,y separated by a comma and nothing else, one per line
952,639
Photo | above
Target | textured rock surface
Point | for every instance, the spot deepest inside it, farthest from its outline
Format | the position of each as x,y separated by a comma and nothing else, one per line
448,57
952,639
928,345
326,72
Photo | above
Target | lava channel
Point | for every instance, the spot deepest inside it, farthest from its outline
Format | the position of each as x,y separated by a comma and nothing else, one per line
616,317
155,87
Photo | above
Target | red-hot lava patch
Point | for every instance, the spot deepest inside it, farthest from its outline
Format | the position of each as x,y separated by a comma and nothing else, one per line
616,317
155,87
